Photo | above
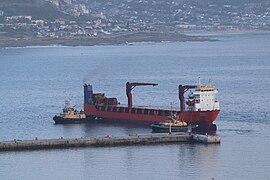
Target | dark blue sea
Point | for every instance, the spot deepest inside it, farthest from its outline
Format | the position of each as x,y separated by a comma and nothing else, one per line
35,82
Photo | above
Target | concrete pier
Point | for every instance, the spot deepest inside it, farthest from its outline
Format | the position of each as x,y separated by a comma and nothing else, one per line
99,142
206,139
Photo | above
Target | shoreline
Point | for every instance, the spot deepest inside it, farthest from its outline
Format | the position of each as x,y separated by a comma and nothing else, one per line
233,31
124,38
116,39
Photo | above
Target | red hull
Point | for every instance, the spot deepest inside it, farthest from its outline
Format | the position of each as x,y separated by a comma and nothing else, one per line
146,115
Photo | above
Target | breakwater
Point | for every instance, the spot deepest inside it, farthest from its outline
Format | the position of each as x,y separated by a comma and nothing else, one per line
105,141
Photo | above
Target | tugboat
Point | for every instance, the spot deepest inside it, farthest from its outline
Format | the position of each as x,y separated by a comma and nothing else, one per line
172,125
70,115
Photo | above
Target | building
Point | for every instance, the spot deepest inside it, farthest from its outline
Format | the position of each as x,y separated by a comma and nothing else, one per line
83,9
54,2
18,17
67,2
39,22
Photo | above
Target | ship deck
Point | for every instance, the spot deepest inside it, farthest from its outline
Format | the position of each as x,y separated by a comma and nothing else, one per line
165,108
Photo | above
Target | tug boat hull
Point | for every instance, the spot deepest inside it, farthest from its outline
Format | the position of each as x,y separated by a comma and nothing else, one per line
159,128
61,120
70,115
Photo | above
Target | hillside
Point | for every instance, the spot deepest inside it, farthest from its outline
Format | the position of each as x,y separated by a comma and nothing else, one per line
238,13
38,9
75,20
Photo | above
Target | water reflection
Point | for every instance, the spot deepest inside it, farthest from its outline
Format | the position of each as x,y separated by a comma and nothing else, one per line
31,83
151,162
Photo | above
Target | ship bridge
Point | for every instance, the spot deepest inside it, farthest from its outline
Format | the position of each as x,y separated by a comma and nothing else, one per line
203,98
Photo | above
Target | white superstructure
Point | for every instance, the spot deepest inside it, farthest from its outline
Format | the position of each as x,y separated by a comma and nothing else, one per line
203,98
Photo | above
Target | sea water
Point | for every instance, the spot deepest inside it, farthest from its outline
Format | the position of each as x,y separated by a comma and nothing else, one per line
35,82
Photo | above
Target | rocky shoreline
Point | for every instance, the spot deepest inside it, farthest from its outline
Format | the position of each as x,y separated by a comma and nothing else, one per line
123,38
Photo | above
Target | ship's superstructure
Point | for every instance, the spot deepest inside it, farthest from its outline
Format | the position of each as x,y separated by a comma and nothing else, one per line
203,98
70,113
202,106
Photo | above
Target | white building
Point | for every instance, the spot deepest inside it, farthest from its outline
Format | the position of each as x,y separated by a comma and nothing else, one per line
84,9
54,2
18,17
1,13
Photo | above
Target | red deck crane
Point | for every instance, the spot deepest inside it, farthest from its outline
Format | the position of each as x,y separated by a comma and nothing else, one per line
182,90
130,86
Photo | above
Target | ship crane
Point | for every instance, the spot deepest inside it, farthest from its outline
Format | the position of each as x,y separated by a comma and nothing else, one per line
182,90
130,86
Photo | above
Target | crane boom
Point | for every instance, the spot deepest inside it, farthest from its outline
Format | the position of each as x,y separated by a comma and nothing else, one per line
130,86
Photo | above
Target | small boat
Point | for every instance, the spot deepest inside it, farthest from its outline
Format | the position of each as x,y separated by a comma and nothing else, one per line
70,115
172,125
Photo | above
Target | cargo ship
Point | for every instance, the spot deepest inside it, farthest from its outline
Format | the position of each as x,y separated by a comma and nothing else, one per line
200,107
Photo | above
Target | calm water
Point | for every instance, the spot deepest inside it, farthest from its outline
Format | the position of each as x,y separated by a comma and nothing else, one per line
35,81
